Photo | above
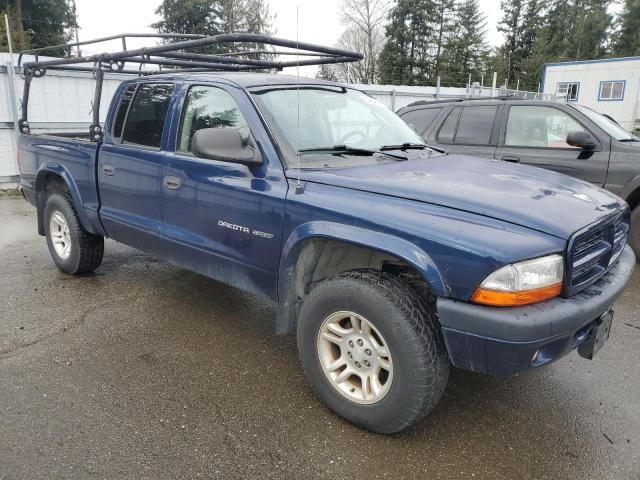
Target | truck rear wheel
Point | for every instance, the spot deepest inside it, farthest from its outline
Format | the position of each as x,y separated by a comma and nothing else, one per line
372,350
634,233
73,249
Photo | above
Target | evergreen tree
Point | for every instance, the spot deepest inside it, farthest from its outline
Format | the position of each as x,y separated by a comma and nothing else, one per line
405,58
213,17
466,53
326,72
627,38
444,26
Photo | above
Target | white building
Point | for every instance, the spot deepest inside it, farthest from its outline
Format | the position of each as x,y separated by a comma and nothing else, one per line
610,86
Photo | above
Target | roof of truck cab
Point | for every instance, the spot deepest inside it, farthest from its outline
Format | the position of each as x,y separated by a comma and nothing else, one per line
242,79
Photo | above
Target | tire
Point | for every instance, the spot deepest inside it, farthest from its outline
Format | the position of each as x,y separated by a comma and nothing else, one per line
399,319
634,233
62,227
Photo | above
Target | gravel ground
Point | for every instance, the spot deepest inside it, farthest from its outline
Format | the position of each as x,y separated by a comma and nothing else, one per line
145,370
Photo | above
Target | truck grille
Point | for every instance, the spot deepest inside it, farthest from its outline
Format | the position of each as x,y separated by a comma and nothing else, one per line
593,250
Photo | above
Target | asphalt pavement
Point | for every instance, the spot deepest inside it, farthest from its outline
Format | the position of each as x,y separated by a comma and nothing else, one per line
144,370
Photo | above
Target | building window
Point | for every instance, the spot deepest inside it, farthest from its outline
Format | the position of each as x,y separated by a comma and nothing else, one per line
611,90
569,90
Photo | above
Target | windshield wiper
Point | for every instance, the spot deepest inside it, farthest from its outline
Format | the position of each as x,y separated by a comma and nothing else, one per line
632,139
338,149
405,146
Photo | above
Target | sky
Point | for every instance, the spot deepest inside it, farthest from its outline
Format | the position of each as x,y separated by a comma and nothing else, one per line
319,20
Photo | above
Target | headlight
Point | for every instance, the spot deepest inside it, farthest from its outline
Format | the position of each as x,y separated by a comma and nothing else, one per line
522,283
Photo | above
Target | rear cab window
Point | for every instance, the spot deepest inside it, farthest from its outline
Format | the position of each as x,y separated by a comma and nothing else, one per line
142,113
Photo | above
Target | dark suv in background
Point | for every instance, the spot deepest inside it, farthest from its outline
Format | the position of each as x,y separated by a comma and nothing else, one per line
567,138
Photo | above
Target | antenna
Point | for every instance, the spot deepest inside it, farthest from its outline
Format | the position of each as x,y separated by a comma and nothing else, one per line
298,186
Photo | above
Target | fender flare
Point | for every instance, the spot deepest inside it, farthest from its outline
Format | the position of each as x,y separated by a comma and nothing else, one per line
67,178
382,242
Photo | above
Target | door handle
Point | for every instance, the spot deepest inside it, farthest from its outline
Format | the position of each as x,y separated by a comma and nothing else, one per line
511,159
172,183
108,169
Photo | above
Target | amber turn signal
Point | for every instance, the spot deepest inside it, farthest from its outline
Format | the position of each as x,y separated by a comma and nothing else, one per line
514,299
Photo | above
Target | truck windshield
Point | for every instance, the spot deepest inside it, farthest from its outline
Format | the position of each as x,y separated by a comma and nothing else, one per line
334,122
609,126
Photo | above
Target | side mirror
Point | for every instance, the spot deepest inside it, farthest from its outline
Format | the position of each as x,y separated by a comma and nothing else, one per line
225,144
583,140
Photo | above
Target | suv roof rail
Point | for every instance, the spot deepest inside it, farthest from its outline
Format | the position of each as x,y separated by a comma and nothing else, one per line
470,99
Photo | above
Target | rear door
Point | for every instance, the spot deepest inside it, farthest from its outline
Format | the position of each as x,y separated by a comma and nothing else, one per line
130,166
536,135
468,130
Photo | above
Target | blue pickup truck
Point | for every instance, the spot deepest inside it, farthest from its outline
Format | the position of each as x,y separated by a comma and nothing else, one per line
391,260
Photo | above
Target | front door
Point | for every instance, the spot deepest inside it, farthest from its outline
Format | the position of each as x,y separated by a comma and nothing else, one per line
130,167
223,219
536,135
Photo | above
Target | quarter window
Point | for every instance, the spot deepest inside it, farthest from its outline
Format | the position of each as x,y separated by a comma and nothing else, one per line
208,107
611,90
544,127
145,121
568,90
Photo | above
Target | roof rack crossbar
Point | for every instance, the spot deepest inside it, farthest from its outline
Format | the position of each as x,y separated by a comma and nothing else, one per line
174,53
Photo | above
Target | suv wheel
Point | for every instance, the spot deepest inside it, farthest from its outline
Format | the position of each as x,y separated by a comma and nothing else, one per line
73,249
372,350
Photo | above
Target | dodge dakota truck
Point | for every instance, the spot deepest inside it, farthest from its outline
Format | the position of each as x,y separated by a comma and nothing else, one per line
390,260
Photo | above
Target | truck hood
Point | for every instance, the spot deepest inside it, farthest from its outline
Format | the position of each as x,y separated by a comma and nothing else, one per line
530,197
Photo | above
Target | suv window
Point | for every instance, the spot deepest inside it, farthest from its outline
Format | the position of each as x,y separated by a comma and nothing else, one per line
448,128
421,119
145,121
207,107
547,127
475,126
468,125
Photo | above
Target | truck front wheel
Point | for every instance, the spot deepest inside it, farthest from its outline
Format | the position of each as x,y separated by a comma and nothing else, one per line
372,350
73,249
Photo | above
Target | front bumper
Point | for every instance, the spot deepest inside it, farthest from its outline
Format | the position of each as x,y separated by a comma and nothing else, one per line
505,341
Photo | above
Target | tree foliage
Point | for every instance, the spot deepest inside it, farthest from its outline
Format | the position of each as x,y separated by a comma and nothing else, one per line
37,23
627,38
213,17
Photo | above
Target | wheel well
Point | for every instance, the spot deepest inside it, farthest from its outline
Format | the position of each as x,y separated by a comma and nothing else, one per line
50,183
634,199
319,259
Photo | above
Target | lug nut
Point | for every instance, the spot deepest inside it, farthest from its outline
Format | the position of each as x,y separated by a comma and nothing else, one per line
360,342
358,364
349,355
368,352
366,363
351,343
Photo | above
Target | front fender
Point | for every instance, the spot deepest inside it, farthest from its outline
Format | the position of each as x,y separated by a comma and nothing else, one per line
61,172
382,242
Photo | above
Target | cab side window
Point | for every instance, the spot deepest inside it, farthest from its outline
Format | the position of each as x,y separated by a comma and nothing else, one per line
544,127
208,107
145,120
